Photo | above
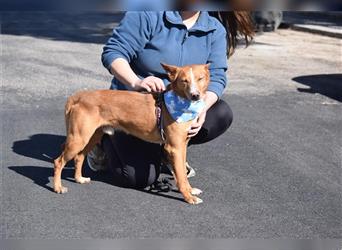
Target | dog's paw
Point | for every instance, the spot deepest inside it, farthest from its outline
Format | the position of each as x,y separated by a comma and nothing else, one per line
61,190
196,191
82,180
197,201
193,200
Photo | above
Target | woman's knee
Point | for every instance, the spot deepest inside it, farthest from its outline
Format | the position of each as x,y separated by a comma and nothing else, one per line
223,114
218,120
130,173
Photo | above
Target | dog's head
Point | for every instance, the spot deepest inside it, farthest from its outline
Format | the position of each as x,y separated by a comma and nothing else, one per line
190,82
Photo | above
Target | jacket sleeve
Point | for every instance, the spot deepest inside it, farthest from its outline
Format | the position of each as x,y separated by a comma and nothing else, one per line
218,62
128,38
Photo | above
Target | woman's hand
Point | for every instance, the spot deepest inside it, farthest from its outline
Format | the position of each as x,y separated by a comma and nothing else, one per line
210,99
150,84
121,69
197,124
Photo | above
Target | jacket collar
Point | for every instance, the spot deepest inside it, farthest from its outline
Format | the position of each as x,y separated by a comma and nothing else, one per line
203,24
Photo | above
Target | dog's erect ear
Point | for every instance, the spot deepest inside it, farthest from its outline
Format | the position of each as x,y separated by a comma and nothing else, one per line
169,68
207,66
172,71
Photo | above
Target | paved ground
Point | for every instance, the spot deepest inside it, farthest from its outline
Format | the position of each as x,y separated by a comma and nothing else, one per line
276,173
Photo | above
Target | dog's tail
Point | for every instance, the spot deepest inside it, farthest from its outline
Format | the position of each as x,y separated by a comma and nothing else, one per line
68,106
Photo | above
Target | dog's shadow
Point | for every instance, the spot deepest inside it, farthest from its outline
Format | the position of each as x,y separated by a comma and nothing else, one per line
47,147
42,176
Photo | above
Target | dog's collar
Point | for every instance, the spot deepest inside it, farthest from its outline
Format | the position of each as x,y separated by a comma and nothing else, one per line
181,109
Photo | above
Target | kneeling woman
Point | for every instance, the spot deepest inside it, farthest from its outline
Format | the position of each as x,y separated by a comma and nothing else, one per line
133,55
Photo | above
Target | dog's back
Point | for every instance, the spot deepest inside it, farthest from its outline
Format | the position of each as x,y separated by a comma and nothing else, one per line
132,112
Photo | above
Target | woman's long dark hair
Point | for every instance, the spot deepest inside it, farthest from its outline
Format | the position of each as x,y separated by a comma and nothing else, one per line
238,24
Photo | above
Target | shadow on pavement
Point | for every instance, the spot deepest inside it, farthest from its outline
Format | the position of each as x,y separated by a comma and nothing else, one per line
40,175
47,147
90,27
329,85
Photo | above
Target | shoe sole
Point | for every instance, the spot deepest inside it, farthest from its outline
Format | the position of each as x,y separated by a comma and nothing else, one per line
90,165
95,169
191,173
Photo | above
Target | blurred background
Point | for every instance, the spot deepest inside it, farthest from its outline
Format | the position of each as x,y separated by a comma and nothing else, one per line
275,174
112,5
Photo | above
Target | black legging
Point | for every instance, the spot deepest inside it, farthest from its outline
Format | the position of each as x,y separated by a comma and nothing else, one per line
136,163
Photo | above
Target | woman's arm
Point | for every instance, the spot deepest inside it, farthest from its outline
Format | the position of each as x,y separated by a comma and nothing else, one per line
128,39
218,62
210,99
121,69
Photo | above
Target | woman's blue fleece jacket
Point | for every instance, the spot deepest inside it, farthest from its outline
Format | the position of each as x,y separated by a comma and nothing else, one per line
145,39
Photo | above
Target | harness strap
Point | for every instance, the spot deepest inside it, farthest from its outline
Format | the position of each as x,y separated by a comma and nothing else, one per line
159,115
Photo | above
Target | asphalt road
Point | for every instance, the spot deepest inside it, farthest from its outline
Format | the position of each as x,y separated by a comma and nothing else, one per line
275,174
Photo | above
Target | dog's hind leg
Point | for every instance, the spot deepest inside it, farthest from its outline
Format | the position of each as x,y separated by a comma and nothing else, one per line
75,144
79,158
71,149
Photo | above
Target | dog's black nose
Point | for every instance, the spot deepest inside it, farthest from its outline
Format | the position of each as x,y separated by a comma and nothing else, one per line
195,97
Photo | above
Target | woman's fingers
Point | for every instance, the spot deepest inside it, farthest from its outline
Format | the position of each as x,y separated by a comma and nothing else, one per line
158,87
153,84
160,84
195,128
193,132
197,125
146,87
156,84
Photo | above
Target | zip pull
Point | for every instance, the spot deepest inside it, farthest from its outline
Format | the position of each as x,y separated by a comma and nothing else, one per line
185,36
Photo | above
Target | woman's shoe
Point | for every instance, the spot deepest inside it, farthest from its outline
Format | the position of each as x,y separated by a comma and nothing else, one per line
96,159
167,169
190,171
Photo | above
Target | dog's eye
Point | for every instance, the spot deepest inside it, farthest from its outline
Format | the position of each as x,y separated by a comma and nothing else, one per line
201,78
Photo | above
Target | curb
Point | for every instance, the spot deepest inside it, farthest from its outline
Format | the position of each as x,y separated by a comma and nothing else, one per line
317,29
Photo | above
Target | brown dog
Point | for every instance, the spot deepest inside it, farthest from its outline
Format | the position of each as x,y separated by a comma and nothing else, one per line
87,112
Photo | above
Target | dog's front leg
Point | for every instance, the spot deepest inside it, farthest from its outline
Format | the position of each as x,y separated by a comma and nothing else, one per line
176,158
194,191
